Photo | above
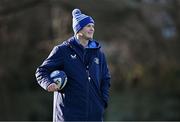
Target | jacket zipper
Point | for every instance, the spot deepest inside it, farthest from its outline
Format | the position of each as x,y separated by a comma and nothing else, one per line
89,78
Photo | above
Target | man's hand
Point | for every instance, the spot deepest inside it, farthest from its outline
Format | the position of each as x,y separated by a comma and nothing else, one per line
52,87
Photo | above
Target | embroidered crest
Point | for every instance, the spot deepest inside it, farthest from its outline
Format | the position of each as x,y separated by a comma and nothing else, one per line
96,60
73,56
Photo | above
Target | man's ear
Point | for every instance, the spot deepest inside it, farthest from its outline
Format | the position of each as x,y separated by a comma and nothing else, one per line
80,34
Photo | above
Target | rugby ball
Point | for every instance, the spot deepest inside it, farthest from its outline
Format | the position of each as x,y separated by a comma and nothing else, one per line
59,77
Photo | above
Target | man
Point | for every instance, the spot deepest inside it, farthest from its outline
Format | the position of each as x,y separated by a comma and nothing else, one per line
86,93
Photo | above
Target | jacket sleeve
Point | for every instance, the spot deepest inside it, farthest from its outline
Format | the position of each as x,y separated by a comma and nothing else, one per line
105,82
53,62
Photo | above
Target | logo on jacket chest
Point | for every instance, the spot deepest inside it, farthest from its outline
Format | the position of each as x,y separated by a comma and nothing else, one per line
96,60
73,56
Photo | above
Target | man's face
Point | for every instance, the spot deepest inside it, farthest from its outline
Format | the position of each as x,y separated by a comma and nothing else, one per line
88,31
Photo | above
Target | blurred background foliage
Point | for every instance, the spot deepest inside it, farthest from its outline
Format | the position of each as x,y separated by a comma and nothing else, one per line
140,38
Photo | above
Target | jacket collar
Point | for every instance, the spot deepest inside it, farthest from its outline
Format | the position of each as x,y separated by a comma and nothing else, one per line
92,44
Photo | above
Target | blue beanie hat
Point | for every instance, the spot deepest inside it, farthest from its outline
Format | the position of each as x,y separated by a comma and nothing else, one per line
80,20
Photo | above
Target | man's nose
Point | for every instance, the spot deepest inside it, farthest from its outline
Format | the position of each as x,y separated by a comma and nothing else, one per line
92,28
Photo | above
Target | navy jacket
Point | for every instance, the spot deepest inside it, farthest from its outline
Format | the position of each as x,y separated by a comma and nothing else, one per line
86,93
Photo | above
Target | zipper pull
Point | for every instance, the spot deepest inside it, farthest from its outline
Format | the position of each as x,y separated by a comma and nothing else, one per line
89,78
87,70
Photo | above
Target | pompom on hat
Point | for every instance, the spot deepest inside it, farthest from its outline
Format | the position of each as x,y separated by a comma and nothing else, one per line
80,20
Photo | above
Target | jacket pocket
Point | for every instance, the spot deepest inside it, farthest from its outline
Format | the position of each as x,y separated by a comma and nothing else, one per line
95,90
96,95
96,109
